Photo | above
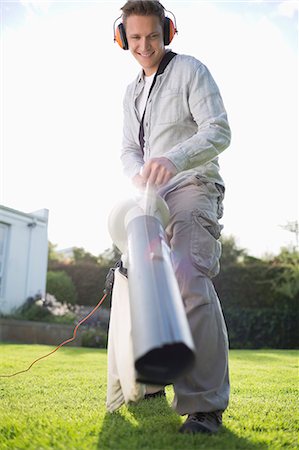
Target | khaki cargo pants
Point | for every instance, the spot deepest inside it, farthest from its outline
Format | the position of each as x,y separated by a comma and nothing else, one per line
193,234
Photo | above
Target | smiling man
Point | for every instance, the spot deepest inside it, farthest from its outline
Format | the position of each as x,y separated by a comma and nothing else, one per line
144,34
175,127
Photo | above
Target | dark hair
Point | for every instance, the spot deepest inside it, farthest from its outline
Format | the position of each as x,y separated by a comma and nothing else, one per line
143,8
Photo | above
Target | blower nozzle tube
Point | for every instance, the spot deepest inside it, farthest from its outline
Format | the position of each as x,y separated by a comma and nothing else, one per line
162,343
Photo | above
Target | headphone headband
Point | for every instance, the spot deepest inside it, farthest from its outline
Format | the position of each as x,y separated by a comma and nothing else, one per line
170,29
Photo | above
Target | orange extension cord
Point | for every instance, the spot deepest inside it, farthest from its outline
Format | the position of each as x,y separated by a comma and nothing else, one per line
63,343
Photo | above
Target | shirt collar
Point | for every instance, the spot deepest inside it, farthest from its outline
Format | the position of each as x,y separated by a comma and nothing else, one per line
141,73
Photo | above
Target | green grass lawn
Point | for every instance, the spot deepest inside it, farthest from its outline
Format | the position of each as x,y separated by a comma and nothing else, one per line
60,404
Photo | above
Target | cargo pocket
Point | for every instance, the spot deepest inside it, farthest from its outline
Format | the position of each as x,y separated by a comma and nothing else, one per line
221,190
205,247
214,189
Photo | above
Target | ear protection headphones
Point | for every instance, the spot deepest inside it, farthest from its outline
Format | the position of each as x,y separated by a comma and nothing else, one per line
169,31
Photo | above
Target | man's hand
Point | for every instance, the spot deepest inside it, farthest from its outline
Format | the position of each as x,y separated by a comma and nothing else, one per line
139,181
158,171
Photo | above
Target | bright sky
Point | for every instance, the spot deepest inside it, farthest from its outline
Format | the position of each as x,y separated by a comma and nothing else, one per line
62,84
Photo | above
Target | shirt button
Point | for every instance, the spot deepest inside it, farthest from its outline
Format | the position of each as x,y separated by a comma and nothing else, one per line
146,124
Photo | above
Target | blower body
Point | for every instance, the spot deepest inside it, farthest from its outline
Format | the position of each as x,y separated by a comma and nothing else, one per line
163,348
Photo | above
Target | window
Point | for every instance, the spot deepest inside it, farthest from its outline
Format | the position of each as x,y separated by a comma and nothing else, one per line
3,246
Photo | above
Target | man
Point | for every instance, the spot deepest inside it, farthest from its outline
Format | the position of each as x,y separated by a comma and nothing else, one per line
184,130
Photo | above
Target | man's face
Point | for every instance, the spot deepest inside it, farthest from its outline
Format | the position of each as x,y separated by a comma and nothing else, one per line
145,39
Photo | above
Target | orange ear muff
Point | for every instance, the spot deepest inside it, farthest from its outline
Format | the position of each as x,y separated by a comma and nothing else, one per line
169,30
120,37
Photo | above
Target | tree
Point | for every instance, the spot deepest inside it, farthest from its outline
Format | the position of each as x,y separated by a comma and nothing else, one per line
60,284
293,227
80,255
286,283
109,257
231,254
53,255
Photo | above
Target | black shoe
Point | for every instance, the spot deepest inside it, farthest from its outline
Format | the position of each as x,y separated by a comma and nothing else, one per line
155,395
202,422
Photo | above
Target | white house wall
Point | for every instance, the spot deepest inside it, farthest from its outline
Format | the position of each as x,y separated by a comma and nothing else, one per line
25,266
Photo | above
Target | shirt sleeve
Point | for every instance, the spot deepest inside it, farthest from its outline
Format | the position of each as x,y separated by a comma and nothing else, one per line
213,135
131,154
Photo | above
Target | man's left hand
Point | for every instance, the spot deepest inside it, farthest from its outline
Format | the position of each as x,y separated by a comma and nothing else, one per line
158,171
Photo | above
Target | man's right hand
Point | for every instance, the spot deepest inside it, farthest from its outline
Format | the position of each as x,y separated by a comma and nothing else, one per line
139,181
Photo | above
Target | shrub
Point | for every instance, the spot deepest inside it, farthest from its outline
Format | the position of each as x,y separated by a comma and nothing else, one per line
94,338
88,278
39,311
32,311
60,284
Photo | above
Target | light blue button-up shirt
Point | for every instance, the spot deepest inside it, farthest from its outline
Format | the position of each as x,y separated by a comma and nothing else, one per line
185,121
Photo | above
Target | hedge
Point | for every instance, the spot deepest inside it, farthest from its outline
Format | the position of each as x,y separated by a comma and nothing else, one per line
258,312
88,278
255,328
254,286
